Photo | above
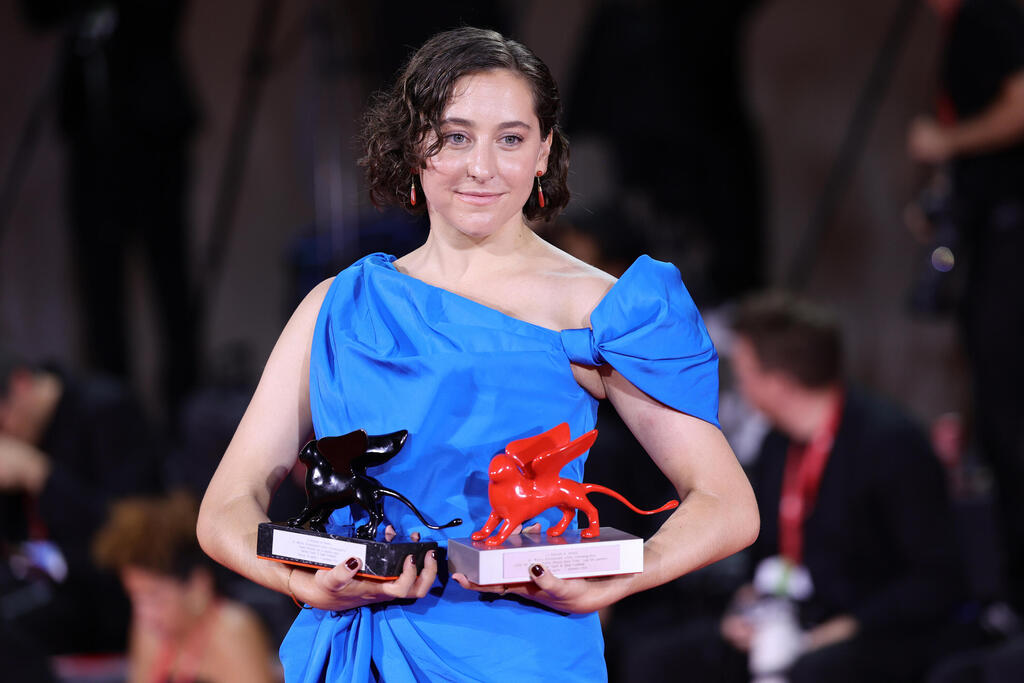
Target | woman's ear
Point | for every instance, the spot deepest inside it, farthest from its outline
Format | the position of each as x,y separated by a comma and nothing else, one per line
545,151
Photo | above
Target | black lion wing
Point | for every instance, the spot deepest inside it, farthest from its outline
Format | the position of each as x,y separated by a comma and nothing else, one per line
342,451
356,451
381,448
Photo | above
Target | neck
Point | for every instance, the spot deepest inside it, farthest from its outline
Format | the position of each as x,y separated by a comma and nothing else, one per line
807,411
450,254
200,611
193,624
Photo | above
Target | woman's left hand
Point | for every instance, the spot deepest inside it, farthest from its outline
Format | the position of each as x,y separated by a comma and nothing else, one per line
717,515
565,595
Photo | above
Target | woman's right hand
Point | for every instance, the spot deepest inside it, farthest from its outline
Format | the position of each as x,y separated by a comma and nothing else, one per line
340,589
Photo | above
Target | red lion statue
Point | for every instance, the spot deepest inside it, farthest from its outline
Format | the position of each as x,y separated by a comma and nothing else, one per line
524,482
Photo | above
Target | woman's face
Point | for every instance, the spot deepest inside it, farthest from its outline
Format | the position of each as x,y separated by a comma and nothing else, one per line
158,601
485,171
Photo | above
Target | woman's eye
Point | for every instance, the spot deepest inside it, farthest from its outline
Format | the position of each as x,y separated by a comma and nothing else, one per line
511,140
456,138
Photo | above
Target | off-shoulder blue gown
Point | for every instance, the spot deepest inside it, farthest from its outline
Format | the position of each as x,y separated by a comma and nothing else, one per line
391,352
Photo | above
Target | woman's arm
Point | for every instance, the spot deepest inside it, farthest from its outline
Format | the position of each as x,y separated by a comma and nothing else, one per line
717,516
260,455
718,513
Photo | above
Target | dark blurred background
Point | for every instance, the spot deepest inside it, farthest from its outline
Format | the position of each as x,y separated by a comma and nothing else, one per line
176,176
715,125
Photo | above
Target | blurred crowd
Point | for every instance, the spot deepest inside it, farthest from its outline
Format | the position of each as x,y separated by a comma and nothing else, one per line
890,550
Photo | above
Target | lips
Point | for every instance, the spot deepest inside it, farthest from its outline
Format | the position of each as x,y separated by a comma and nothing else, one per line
477,198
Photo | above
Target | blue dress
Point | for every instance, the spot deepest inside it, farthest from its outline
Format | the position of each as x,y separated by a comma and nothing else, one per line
392,352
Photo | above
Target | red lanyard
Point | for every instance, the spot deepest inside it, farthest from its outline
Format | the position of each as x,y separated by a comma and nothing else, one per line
805,465
37,530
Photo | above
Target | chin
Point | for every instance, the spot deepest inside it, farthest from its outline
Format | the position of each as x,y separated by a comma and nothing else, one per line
481,226
476,235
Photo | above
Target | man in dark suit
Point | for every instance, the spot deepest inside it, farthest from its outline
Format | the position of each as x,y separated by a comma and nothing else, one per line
852,499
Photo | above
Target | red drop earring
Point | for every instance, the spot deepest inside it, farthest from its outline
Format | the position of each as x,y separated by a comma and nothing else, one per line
412,193
540,190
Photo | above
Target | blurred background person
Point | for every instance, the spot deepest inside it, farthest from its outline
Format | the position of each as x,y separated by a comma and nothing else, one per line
182,628
857,545
126,113
979,134
68,446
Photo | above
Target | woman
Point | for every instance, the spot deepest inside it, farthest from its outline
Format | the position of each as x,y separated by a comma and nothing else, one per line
181,628
483,335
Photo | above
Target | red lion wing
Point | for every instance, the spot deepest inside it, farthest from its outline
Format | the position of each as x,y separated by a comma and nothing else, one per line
525,451
547,465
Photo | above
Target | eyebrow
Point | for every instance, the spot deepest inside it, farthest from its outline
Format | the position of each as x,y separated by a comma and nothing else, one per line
469,124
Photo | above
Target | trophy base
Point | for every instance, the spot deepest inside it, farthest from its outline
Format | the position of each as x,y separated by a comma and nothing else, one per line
566,556
308,548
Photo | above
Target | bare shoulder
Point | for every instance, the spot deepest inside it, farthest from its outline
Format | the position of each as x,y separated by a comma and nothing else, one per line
299,328
578,286
306,313
236,624
239,647
316,296
238,619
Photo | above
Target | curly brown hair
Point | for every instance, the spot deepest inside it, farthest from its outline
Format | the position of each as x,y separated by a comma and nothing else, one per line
157,533
400,119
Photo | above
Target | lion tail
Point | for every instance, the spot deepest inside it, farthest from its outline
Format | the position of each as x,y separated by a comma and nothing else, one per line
597,488
382,491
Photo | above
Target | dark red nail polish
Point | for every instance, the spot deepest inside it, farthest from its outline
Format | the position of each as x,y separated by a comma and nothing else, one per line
352,563
433,554
537,570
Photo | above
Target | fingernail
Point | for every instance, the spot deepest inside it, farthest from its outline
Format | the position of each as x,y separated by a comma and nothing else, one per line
433,554
352,563
537,570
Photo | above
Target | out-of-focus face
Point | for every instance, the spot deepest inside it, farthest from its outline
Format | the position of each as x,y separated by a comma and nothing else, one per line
760,388
159,602
16,407
481,178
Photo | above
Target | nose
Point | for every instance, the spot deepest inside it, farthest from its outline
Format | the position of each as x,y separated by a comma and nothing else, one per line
481,162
